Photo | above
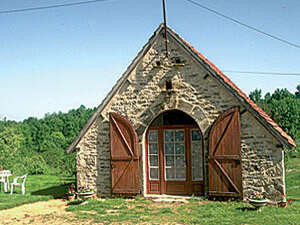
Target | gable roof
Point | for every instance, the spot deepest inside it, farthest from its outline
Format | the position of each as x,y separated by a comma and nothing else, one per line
219,76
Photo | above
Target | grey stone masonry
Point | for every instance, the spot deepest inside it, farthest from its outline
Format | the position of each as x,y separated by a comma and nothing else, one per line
143,96
263,162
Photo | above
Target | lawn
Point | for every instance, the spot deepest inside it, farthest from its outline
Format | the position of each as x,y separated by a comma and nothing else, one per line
38,188
293,174
142,210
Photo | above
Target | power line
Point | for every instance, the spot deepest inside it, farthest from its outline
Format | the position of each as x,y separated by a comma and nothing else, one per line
191,1
51,6
262,73
243,24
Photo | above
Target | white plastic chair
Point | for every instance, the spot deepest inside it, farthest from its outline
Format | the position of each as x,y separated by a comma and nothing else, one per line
15,183
4,174
3,180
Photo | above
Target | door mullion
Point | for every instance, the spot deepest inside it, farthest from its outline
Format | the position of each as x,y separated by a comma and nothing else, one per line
161,162
188,159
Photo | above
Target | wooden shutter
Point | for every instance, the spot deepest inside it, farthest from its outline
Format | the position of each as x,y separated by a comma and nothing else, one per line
124,156
224,167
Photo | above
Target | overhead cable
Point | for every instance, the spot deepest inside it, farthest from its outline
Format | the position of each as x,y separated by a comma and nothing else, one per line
243,24
51,6
262,73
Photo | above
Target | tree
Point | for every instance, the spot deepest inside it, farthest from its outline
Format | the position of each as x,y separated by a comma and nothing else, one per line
255,95
297,93
283,107
286,112
38,145
268,97
11,142
281,94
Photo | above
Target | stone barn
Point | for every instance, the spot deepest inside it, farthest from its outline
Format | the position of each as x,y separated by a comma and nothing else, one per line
178,125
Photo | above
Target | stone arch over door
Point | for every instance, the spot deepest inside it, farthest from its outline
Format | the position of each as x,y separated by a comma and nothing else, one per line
149,114
174,155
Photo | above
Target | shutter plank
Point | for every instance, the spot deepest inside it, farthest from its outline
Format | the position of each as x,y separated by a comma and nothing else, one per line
124,156
224,168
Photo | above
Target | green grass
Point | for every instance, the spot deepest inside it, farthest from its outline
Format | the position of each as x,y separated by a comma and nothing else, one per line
142,210
203,212
196,212
292,162
38,188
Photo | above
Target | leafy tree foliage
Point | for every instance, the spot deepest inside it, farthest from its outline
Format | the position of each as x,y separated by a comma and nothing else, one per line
11,141
255,95
298,91
287,112
37,146
283,107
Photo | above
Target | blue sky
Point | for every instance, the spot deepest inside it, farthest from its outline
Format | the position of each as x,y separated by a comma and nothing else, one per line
57,59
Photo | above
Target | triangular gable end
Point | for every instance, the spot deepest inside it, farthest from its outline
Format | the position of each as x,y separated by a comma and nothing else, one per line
212,70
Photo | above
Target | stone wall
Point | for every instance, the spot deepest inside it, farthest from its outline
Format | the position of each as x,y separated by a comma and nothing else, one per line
143,96
262,161
93,158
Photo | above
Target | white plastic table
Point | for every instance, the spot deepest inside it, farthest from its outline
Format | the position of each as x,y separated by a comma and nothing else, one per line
4,175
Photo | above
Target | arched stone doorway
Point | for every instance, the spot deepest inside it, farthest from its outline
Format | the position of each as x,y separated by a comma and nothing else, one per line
174,155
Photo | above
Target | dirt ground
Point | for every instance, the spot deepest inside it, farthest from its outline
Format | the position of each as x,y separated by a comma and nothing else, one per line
53,213
40,213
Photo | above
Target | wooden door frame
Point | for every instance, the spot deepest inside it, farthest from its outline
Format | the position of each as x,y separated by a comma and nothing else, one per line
188,154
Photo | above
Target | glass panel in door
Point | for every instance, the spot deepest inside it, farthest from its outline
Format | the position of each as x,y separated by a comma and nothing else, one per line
153,155
174,153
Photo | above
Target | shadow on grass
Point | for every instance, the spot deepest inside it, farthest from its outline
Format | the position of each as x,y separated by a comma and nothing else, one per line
76,202
245,209
56,191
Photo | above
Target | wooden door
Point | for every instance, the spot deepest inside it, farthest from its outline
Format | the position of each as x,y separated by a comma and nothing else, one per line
124,156
224,167
174,160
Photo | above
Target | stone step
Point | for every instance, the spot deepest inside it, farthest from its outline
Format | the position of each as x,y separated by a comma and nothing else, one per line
173,198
